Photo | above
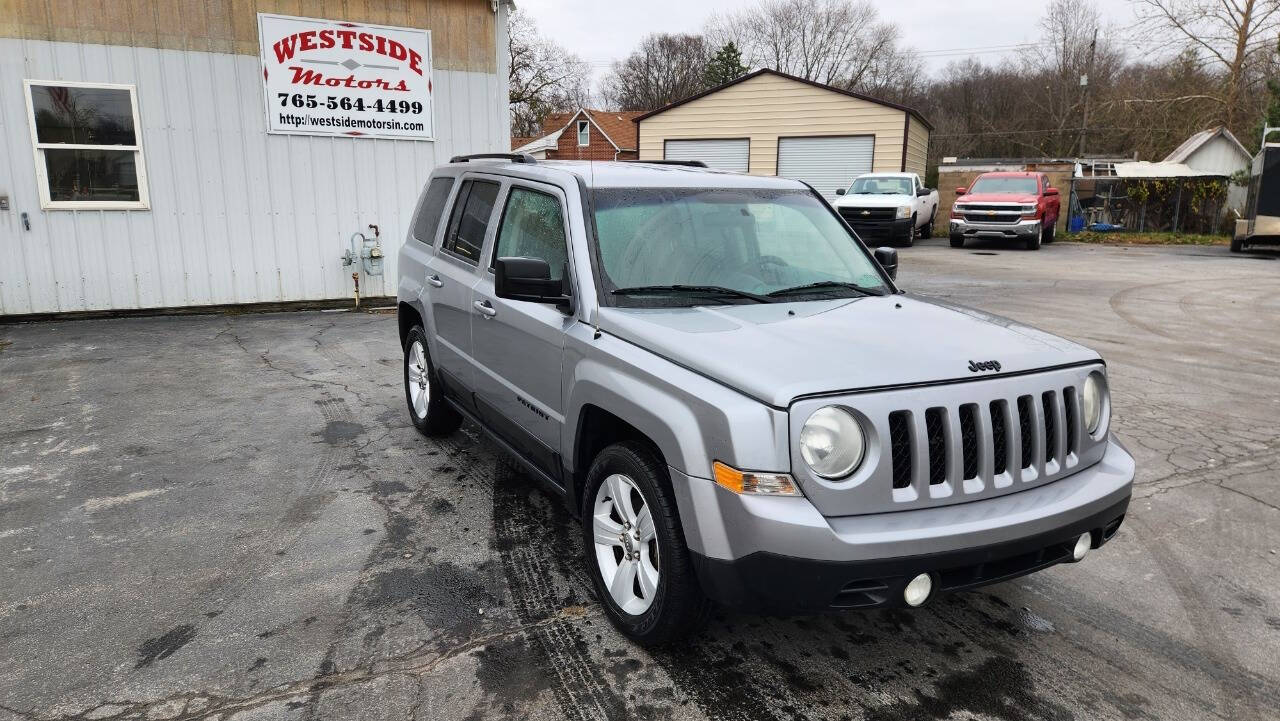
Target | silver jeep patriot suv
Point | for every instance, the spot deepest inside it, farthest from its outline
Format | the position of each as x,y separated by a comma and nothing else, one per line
728,389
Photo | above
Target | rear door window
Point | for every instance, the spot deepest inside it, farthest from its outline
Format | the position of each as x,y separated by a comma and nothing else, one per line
470,219
428,220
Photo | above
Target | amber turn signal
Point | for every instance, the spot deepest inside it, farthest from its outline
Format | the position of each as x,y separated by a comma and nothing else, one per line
764,484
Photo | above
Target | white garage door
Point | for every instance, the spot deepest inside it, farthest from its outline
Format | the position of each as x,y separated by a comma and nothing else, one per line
825,163
720,154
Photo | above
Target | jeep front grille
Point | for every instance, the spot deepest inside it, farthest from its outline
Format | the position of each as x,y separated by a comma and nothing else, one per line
1038,444
955,441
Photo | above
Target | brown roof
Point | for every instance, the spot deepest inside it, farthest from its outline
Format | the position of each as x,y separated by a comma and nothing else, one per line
619,125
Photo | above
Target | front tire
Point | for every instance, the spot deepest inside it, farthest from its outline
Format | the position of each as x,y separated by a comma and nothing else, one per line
1033,243
634,548
927,231
431,414
1051,234
957,241
1237,245
910,240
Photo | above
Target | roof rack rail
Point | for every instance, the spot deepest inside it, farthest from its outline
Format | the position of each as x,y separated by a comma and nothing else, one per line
513,157
685,163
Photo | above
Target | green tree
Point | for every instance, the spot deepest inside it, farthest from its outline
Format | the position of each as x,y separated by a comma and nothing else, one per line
725,65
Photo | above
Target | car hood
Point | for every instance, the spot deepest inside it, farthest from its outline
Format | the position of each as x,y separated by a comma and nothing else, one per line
874,201
997,198
779,351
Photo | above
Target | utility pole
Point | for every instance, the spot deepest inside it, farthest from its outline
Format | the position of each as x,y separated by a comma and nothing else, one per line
1084,82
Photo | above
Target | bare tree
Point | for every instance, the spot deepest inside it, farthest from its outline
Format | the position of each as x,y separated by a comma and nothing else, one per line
1236,36
837,42
544,77
664,69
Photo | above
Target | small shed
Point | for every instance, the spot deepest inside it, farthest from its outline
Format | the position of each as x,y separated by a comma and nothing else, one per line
1216,152
772,123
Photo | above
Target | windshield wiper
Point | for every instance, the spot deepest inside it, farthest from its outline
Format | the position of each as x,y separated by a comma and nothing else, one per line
712,290
823,285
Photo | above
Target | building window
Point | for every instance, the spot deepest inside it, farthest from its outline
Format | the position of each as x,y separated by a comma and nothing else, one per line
88,145
584,132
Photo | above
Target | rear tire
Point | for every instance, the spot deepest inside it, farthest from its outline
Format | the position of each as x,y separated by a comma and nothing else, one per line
657,585
1034,242
430,412
957,241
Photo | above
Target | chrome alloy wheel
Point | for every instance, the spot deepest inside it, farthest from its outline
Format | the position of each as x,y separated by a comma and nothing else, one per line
418,378
626,544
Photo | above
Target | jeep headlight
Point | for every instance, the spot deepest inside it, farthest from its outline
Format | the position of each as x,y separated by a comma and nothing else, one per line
1095,402
904,211
832,443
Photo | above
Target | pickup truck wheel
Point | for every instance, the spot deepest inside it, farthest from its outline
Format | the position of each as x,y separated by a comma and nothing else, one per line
957,241
1033,243
1051,234
927,231
635,550
911,233
1237,245
430,413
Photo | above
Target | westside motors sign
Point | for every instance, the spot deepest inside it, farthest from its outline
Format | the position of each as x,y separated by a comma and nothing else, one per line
329,77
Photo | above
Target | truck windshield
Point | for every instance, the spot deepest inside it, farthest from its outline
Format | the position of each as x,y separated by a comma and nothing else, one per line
1020,186
881,186
744,242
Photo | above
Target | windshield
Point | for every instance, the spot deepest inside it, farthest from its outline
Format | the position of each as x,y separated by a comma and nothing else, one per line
881,186
747,241
1020,186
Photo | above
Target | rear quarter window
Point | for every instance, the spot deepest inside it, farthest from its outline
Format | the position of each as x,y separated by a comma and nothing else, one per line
428,219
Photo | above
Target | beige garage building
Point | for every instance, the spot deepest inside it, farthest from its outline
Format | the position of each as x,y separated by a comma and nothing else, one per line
771,123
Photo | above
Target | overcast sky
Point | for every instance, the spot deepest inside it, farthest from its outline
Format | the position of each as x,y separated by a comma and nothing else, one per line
939,30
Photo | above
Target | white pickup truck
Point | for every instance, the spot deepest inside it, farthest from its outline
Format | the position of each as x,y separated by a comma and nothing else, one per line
892,207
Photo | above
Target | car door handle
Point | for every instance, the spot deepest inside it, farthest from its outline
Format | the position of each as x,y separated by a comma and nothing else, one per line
486,308
435,280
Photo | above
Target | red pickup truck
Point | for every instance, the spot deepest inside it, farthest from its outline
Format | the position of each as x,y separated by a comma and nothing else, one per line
1013,205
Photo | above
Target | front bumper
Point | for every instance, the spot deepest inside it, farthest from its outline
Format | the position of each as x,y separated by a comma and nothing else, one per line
882,230
782,554
1021,229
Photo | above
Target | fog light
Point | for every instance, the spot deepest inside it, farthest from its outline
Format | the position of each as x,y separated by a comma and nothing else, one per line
1083,544
917,592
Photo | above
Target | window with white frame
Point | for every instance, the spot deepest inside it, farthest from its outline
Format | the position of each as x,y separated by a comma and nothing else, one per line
584,132
88,145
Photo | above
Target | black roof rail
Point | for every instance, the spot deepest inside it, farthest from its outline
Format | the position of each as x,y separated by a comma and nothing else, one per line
513,157
686,163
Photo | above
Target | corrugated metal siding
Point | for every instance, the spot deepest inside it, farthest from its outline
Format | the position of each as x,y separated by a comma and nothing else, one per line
237,216
768,106
1218,156
825,163
720,154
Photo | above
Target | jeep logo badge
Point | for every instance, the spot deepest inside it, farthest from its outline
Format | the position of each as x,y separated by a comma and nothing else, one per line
975,366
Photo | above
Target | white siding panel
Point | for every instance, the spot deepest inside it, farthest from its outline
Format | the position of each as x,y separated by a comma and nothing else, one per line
730,154
826,163
237,216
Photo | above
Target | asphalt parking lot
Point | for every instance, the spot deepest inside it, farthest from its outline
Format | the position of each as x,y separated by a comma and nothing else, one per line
230,517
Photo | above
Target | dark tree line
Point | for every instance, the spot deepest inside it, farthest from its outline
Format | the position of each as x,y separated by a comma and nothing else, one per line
1188,65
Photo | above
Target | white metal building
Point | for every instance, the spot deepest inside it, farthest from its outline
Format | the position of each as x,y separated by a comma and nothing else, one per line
226,154
1216,152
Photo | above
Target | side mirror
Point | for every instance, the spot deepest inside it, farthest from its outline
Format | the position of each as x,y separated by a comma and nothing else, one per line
839,191
528,279
921,192
888,259
1051,191
961,191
